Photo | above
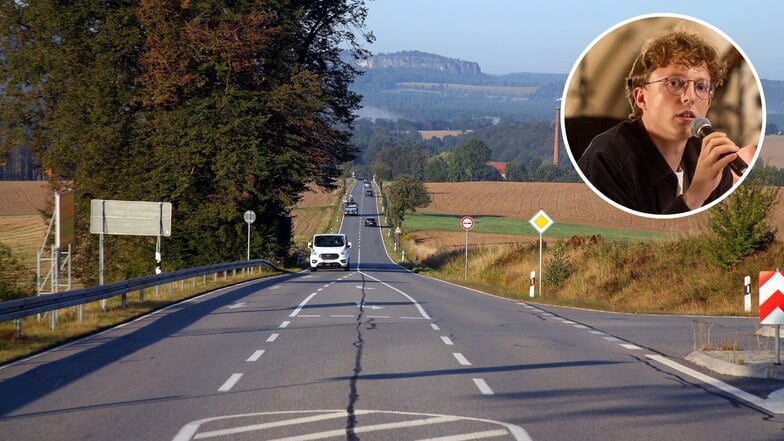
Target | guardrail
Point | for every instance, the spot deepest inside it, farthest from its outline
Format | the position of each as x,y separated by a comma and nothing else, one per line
19,308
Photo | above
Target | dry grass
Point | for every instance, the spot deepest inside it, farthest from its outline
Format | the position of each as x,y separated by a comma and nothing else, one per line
316,212
773,150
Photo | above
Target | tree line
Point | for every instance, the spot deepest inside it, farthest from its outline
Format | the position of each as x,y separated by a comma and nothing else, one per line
217,107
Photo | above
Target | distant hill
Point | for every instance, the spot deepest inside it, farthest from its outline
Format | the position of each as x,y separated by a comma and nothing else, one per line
420,86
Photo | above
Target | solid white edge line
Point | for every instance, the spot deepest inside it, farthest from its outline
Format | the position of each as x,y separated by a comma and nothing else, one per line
411,299
732,390
230,383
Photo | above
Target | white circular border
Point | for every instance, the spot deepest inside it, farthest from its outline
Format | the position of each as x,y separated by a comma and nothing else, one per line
579,61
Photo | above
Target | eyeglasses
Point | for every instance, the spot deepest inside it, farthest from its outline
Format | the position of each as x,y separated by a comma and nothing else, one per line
677,85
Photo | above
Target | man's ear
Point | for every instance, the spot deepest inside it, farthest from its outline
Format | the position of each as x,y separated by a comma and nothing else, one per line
639,98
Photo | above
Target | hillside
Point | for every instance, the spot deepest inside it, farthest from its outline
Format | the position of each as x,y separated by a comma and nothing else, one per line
417,85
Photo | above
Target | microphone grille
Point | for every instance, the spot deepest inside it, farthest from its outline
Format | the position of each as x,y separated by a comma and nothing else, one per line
698,125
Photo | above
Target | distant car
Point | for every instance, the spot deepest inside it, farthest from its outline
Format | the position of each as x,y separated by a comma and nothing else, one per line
368,192
371,222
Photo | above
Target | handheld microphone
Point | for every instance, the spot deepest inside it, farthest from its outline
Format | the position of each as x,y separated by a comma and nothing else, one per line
701,127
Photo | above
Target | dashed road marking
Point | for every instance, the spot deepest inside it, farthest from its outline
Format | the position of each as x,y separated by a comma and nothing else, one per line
233,379
447,341
272,338
285,324
256,355
483,387
461,359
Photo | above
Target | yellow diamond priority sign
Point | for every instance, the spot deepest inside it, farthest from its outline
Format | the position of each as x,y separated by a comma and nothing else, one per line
541,221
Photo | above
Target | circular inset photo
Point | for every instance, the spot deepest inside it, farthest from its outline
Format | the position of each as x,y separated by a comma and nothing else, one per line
663,116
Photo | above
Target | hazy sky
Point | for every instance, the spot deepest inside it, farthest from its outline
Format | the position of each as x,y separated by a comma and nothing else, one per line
506,36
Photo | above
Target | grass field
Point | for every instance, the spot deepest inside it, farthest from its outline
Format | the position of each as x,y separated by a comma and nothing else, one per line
425,220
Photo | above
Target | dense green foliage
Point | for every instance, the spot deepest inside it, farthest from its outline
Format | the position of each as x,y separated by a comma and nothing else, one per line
739,226
215,107
15,280
405,194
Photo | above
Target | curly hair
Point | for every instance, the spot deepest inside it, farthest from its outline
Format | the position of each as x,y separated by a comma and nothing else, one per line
674,46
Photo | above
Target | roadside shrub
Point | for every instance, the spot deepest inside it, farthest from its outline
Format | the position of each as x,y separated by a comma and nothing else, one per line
558,268
13,280
739,226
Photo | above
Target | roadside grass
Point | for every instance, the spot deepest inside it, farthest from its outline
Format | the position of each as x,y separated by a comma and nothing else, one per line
37,335
656,277
425,220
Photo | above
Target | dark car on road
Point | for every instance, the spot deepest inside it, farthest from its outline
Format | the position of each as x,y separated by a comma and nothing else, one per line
371,222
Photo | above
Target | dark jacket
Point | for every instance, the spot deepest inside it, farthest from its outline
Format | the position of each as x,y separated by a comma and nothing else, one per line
624,165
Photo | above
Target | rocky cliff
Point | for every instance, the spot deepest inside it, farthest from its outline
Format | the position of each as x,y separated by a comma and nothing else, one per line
421,60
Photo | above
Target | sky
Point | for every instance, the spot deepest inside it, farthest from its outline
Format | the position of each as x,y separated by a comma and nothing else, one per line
549,36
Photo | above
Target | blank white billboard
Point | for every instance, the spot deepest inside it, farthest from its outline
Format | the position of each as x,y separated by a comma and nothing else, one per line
130,218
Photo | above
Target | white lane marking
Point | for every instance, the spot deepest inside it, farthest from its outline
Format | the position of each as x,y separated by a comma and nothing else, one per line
372,428
773,404
631,346
411,318
580,326
236,305
483,387
230,383
189,431
461,359
256,355
435,327
302,305
285,324
470,436
411,299
309,315
596,332
188,435
568,322
447,341
378,316
612,339
343,316
272,338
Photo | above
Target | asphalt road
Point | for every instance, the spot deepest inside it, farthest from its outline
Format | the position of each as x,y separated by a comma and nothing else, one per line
378,353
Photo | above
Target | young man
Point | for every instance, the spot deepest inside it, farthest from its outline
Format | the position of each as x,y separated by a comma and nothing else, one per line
650,163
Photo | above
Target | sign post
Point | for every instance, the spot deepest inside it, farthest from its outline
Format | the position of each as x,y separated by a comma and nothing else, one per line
541,222
250,217
467,222
771,304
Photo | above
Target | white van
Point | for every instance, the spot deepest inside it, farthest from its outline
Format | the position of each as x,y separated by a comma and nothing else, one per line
329,250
